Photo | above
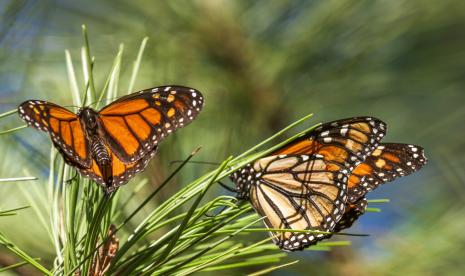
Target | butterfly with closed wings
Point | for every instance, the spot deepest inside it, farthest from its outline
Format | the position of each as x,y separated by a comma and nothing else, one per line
112,145
318,181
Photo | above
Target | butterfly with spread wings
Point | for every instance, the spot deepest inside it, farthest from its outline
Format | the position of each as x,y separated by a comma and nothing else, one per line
112,145
310,184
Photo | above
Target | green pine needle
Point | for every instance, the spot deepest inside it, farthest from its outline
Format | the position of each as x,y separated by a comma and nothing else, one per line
12,212
18,179
21,254
273,268
13,130
137,62
8,113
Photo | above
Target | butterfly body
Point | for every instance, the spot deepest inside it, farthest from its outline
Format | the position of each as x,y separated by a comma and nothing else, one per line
94,135
115,143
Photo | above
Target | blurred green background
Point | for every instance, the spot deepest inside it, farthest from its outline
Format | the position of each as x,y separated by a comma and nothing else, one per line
261,65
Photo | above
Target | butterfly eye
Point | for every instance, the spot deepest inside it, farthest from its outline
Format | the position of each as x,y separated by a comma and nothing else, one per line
92,122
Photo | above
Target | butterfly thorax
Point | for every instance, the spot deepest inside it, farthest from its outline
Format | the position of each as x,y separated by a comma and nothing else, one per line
90,122
243,179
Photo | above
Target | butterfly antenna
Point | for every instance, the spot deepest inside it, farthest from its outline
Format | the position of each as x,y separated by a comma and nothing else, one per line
96,102
194,162
221,211
103,100
227,187
73,106
224,207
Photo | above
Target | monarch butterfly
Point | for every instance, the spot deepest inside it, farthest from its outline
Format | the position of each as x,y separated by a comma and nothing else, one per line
315,182
112,145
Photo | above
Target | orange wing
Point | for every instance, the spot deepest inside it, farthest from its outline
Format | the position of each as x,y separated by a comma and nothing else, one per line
63,126
121,171
388,162
136,123
348,140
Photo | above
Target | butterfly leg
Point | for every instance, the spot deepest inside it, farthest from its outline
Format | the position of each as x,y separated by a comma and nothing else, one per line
72,179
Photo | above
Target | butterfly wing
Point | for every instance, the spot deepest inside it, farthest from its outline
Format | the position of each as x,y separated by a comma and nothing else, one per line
121,172
388,162
302,185
62,125
136,123
352,213
347,140
299,192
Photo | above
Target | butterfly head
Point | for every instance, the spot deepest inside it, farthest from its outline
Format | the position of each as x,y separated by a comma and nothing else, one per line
89,116
243,179
90,120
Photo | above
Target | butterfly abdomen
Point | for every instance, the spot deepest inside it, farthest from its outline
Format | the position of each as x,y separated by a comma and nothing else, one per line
100,153
103,160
